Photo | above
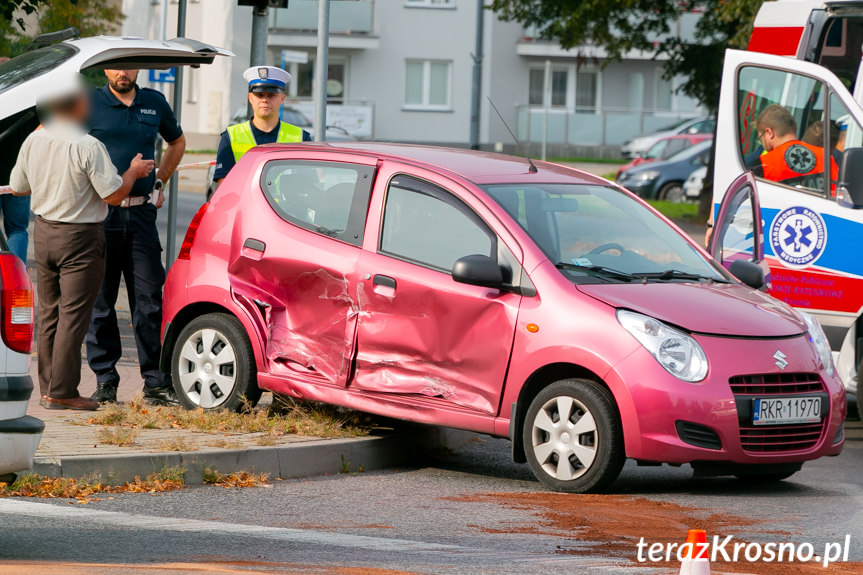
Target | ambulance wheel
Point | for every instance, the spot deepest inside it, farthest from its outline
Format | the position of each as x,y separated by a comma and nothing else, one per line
572,437
213,365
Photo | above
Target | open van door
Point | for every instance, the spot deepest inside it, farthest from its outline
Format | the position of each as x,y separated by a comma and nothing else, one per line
811,238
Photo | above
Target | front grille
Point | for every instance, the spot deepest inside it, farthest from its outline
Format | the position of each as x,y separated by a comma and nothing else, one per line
775,438
698,435
776,384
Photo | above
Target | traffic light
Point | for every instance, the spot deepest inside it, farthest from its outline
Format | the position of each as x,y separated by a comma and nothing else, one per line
264,3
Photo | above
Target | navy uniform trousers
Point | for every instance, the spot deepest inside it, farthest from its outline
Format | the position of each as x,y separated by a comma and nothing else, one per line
133,251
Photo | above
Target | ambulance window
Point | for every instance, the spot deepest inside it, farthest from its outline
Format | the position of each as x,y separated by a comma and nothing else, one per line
845,133
780,128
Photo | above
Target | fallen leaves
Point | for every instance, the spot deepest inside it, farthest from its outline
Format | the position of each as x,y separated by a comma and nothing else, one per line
238,479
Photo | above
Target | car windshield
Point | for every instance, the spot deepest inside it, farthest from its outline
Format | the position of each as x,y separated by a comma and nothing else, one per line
598,233
32,64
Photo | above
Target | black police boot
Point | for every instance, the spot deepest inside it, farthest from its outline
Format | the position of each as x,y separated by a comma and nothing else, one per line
105,393
160,395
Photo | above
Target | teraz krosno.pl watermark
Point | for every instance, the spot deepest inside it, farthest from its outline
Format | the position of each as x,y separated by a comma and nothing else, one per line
729,550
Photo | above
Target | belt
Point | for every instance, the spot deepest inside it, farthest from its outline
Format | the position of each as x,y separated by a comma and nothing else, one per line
132,201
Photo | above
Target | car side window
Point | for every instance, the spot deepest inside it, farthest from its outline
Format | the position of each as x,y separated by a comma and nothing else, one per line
429,226
673,147
328,198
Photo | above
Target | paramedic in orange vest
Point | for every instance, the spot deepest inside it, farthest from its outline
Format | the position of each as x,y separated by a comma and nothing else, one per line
786,159
266,95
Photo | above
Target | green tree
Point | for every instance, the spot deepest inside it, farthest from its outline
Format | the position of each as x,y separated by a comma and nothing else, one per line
9,10
619,26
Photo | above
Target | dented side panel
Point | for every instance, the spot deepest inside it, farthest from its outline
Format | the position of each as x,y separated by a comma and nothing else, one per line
432,336
301,285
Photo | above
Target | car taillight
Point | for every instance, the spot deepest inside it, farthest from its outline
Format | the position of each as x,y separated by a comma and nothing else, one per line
16,302
186,248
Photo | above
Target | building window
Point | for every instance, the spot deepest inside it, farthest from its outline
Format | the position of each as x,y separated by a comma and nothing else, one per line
427,84
430,3
664,92
559,86
586,89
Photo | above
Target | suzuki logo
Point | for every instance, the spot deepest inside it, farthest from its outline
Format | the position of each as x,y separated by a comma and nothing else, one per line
780,359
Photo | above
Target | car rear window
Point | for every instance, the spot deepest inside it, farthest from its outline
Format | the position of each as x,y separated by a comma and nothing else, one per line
32,64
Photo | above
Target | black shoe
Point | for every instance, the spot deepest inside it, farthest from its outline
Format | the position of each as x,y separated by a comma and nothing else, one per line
160,395
105,393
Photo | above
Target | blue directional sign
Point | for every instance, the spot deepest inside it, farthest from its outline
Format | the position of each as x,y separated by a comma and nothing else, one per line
163,76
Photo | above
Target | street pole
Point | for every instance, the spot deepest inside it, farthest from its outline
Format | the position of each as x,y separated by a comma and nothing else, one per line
546,102
321,65
258,56
173,186
476,91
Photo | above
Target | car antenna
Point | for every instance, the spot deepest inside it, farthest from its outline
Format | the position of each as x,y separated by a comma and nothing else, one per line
521,148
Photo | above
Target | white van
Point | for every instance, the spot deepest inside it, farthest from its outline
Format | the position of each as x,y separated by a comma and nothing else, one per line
806,56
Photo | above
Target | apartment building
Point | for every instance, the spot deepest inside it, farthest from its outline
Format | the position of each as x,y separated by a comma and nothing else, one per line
401,70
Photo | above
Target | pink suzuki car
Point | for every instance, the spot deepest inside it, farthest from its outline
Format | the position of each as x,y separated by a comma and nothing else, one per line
479,292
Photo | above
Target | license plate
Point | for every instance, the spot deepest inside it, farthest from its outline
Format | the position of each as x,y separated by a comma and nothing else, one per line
785,410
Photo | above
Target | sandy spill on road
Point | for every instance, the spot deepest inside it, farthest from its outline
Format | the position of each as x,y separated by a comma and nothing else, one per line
613,525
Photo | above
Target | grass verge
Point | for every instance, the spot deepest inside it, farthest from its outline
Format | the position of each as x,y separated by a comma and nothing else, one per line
676,211
289,417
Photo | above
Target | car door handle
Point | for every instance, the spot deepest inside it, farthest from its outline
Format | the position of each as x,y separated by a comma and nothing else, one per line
385,281
255,245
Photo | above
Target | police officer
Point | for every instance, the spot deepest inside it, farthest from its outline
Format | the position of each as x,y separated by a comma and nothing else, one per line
786,159
127,119
266,95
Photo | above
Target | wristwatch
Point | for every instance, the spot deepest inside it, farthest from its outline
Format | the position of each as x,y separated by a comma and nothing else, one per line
158,186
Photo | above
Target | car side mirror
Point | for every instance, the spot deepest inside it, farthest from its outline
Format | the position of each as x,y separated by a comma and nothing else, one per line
748,272
850,186
478,270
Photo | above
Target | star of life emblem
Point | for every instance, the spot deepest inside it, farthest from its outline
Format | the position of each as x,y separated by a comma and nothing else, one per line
798,236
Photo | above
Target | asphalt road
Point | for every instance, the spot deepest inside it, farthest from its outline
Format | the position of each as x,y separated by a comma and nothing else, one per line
471,511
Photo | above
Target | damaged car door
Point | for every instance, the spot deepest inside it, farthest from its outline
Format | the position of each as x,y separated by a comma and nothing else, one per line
420,332
297,264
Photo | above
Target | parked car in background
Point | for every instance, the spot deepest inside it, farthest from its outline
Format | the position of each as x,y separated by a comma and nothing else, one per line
694,183
664,149
639,145
477,291
664,180
19,433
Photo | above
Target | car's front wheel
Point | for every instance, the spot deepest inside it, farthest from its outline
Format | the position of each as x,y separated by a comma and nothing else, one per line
672,192
573,438
213,366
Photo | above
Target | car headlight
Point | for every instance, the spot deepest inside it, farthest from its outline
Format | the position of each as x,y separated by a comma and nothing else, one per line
646,175
677,352
819,340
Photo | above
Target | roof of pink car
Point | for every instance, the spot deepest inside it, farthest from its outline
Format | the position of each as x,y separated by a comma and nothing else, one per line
478,167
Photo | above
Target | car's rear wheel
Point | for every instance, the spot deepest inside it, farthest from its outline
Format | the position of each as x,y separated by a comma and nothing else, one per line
672,192
213,366
572,436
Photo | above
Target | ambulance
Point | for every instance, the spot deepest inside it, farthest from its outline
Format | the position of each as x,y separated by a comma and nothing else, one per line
805,56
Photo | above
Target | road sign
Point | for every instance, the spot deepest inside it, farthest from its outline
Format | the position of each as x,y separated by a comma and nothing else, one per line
163,76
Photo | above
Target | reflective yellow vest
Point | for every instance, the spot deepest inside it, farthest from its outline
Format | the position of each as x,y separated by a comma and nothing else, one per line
243,140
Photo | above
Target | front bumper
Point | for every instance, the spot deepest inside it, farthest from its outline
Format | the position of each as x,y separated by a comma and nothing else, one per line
709,409
19,433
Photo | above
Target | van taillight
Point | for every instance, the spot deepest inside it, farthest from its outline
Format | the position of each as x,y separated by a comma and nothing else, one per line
186,248
16,302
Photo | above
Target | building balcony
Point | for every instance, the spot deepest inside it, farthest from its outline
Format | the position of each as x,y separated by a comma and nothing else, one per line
355,17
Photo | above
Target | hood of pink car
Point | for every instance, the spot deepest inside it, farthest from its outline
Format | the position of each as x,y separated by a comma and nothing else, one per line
716,309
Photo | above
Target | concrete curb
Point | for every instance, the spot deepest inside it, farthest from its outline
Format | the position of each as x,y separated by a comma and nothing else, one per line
290,461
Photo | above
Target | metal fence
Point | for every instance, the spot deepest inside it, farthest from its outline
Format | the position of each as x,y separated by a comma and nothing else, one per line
591,126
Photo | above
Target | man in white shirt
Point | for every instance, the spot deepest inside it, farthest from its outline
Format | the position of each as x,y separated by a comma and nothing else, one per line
71,180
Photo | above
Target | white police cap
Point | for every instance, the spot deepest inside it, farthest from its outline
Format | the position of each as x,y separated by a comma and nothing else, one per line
266,79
